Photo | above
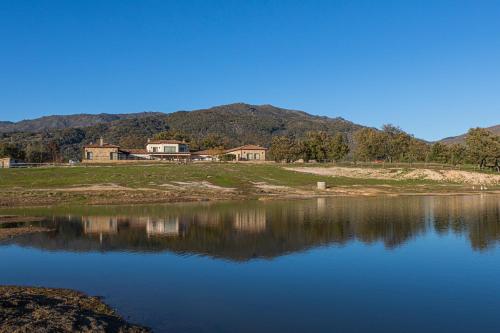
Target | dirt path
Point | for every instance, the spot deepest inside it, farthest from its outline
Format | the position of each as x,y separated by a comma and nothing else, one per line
446,176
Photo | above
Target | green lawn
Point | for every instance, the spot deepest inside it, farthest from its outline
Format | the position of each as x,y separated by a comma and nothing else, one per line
222,174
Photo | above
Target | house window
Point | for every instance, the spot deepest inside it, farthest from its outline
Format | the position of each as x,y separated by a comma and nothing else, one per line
257,156
183,148
169,149
155,149
90,155
249,156
113,156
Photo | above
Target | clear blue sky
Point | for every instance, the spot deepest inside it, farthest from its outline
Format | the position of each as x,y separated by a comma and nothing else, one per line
431,67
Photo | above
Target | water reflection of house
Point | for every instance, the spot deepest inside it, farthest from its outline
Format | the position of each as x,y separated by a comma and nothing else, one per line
252,220
209,218
100,224
163,227
321,206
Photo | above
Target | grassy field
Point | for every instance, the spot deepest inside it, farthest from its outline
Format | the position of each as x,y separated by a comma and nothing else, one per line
141,183
136,176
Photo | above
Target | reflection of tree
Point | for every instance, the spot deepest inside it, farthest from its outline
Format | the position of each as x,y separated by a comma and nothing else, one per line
476,216
269,229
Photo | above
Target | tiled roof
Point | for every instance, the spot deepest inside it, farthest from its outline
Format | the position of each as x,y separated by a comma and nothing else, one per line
246,147
166,142
164,153
104,145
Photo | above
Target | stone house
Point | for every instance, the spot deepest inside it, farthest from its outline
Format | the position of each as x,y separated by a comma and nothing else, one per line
171,150
102,152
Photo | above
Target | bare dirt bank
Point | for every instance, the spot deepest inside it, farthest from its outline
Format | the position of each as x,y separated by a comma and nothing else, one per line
26,309
262,191
110,194
448,176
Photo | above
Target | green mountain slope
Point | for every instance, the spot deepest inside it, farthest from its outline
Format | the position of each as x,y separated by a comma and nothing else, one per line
65,121
237,123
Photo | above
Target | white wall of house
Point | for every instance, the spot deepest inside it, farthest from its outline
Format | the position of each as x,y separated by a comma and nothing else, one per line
166,148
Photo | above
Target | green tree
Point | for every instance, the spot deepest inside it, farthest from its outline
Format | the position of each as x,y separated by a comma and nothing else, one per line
418,151
439,153
37,153
338,147
458,153
396,143
369,145
283,148
316,146
482,147
11,150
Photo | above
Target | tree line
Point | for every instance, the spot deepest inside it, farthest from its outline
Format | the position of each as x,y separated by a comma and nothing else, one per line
318,146
391,144
36,152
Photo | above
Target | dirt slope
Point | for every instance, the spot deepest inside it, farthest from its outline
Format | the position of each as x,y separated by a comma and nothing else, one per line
447,176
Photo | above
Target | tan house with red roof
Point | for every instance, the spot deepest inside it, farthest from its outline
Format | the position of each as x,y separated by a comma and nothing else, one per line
248,153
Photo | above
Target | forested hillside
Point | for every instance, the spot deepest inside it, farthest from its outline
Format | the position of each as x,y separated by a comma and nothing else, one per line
60,122
232,125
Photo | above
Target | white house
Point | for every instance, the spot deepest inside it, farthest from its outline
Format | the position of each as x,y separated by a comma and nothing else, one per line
168,150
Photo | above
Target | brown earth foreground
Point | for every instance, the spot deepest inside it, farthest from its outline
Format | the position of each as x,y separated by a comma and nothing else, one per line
106,185
108,195
27,309
449,176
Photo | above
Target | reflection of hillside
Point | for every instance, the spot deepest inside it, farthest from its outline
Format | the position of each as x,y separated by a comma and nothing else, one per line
266,230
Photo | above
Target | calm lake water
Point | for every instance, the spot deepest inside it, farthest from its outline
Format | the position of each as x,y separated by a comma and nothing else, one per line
406,264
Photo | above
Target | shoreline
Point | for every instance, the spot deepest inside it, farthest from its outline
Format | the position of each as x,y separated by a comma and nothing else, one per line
130,184
30,309
62,197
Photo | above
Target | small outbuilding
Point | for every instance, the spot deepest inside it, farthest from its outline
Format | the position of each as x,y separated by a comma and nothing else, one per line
9,162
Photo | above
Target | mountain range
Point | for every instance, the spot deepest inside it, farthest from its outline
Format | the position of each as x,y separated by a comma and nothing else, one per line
237,123
59,121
